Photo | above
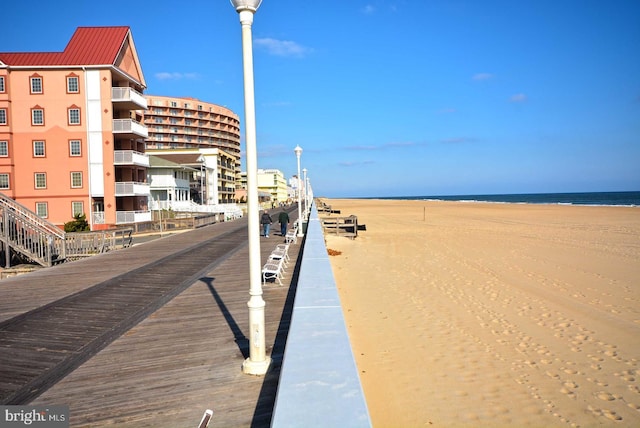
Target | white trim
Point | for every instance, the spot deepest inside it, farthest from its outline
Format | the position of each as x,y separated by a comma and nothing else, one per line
94,133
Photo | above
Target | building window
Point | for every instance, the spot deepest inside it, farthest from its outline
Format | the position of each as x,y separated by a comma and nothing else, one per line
42,210
41,180
38,149
4,149
76,180
74,116
75,148
36,84
37,116
174,104
77,208
73,84
2,89
4,181
3,116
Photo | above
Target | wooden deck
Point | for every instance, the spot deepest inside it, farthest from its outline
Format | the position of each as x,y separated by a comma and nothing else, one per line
180,360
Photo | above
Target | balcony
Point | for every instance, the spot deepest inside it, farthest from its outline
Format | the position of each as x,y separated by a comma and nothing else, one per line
130,157
128,217
131,188
130,127
128,98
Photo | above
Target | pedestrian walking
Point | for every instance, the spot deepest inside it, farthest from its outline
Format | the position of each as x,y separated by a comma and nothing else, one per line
266,221
283,219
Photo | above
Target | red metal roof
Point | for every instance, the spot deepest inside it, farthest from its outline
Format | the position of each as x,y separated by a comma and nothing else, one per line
88,46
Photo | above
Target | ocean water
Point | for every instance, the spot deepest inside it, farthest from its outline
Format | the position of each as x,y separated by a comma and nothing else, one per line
629,199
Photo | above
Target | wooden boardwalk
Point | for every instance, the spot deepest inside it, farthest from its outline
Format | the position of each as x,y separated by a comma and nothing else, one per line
162,364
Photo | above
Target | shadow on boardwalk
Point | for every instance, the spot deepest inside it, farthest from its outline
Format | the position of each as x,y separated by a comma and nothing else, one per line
241,340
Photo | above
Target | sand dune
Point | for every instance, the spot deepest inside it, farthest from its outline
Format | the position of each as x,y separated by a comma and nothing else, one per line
493,314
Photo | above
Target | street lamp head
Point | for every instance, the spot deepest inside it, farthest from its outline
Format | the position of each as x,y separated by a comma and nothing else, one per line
298,150
250,5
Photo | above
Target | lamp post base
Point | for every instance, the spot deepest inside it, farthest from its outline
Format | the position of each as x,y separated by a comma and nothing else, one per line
257,368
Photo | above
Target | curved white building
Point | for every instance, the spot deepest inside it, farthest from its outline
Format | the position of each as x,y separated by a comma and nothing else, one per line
188,123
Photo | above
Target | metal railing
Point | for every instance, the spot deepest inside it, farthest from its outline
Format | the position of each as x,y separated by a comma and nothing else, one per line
86,244
132,188
130,126
127,217
130,95
130,157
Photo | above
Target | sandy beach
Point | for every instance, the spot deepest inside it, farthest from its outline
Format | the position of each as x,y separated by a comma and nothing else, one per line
493,314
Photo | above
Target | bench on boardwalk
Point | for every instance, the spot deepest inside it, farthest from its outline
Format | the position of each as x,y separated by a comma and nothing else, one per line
281,252
274,268
292,235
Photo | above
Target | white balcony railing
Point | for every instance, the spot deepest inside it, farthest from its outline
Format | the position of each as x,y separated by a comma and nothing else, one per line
98,217
231,211
130,126
127,217
130,157
129,96
130,188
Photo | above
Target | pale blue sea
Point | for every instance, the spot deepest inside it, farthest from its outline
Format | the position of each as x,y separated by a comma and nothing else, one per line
629,199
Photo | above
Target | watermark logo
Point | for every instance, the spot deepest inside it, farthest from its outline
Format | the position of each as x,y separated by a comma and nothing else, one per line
34,416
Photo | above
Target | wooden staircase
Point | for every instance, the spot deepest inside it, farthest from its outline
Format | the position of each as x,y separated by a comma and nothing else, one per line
23,231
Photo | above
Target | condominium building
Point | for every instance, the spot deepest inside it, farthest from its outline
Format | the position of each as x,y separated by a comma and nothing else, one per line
71,131
188,123
213,179
273,182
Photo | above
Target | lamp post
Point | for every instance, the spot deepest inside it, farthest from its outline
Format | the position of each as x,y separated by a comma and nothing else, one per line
298,151
307,190
258,362
304,187
201,159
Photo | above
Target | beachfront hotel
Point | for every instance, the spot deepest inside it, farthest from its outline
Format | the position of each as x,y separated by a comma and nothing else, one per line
273,182
72,139
272,187
185,123
200,135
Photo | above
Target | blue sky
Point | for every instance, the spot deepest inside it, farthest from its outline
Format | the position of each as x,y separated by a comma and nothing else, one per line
399,97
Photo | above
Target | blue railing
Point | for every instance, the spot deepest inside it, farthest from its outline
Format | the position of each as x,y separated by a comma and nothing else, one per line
319,383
